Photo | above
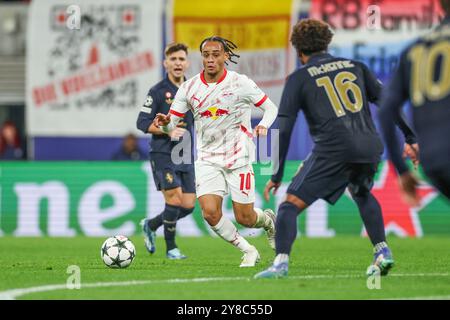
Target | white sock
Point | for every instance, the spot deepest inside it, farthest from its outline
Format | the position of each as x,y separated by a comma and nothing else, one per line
228,231
262,220
280,258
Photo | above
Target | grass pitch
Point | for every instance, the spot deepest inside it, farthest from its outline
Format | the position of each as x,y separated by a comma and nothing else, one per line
320,269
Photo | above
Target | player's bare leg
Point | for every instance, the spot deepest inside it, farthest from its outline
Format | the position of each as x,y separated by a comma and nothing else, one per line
286,225
187,205
211,205
188,200
247,215
173,196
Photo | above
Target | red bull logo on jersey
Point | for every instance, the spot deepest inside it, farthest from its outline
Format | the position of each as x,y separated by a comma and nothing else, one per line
213,113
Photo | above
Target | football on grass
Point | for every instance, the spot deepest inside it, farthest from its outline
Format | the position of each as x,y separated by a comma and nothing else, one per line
118,252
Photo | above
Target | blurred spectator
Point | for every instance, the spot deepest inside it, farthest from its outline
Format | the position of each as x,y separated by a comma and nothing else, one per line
129,149
10,146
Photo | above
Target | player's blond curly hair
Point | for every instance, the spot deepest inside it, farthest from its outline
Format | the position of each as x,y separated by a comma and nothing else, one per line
310,36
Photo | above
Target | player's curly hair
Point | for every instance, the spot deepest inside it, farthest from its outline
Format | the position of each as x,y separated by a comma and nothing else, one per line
228,46
174,47
445,4
310,36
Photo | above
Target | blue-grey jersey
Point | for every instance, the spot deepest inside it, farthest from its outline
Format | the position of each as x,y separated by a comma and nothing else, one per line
423,78
158,100
334,94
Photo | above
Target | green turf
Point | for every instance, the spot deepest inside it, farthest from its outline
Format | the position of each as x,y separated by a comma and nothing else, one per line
337,266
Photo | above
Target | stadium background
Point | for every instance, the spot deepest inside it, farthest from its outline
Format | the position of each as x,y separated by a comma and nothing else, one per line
74,94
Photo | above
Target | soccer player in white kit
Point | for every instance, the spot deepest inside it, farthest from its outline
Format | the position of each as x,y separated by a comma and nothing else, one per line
221,102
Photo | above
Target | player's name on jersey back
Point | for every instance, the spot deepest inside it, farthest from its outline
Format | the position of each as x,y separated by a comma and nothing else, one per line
329,67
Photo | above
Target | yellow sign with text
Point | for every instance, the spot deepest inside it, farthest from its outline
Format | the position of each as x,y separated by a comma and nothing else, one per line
251,25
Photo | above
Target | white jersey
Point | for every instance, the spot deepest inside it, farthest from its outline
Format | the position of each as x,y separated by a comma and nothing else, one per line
222,115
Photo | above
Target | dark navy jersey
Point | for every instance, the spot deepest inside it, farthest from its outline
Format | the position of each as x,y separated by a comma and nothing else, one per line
334,95
158,100
423,78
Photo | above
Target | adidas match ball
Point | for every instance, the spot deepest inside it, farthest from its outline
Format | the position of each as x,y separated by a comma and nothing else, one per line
118,252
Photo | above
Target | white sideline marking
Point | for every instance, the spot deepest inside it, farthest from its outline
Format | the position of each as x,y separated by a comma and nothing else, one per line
423,298
15,293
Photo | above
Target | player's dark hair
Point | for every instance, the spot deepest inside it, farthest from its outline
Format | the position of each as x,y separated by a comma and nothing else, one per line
174,47
445,4
228,46
310,36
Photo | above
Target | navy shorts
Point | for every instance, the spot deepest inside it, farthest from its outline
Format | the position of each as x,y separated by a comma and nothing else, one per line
440,178
168,175
324,178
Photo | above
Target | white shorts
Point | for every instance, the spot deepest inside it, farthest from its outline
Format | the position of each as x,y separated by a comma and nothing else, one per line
212,179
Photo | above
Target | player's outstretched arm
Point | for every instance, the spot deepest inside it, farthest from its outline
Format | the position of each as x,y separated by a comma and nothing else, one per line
287,116
147,114
374,90
387,115
286,124
169,123
392,101
270,114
